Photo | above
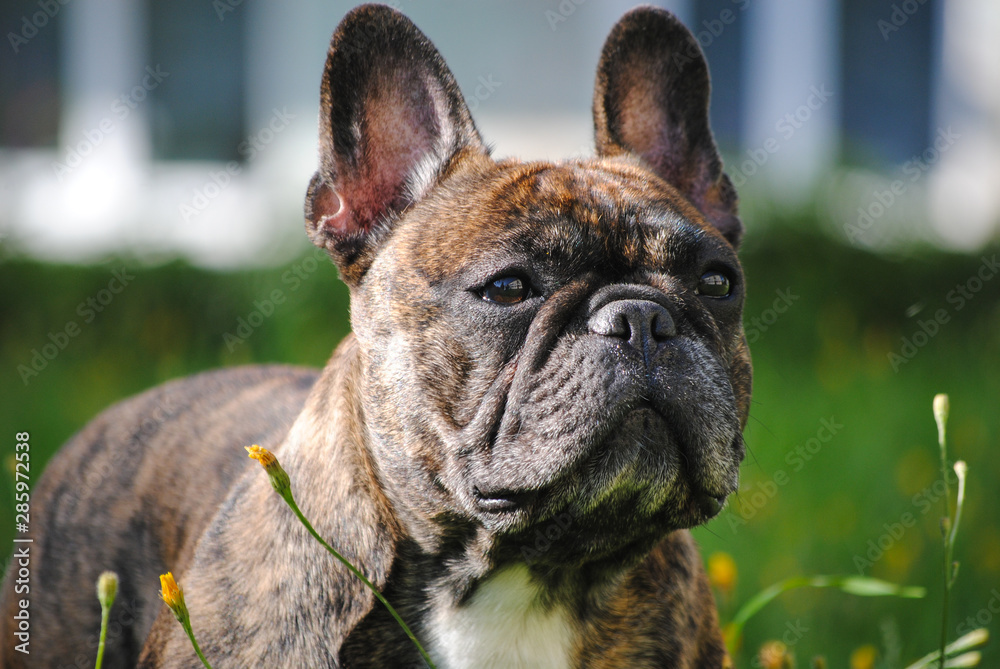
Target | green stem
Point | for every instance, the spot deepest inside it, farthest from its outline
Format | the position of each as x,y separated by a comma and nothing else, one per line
287,496
856,585
105,614
960,471
194,642
946,531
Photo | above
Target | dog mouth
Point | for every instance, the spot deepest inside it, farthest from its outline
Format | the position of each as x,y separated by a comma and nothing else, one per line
641,469
503,500
710,505
629,452
662,465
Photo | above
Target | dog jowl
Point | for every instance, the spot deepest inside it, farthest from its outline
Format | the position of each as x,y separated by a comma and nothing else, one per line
539,349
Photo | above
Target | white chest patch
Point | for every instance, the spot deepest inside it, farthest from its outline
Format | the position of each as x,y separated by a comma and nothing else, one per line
504,626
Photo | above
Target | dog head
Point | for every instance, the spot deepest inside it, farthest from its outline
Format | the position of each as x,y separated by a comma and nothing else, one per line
538,340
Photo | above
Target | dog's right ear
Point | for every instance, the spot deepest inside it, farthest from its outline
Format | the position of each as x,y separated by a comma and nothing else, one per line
392,121
651,100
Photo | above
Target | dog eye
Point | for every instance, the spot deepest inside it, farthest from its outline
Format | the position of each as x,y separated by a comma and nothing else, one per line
714,284
505,290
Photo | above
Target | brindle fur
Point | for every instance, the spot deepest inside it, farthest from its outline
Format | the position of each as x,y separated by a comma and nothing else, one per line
440,404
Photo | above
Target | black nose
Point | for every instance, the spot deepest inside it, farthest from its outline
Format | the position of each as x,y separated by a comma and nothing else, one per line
642,323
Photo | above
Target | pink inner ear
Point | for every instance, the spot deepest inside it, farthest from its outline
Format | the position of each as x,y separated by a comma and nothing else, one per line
399,127
331,211
648,129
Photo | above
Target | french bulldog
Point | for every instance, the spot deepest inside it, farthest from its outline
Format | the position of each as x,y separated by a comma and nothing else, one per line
545,387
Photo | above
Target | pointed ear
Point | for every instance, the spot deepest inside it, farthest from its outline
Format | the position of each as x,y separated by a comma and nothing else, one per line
392,120
651,99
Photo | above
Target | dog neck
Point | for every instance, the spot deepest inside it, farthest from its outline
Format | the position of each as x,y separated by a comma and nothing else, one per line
507,621
473,602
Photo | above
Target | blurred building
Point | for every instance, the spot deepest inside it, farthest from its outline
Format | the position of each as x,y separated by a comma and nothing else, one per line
188,127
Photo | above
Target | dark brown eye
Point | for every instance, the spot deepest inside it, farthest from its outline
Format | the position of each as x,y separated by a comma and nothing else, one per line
714,284
505,290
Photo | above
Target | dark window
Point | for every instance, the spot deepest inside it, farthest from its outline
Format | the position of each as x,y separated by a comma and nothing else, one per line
887,57
719,26
29,74
198,112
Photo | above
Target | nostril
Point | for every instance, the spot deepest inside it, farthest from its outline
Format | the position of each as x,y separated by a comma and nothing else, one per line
639,322
620,327
611,321
663,326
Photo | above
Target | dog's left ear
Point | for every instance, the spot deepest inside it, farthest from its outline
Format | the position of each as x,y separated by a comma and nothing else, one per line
392,121
651,99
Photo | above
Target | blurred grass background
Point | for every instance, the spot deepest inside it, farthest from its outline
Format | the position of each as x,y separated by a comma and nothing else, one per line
824,358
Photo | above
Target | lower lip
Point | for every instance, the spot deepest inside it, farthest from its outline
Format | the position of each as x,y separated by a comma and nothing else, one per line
710,506
502,503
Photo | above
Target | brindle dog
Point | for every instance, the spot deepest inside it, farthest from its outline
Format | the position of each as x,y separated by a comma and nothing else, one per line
546,385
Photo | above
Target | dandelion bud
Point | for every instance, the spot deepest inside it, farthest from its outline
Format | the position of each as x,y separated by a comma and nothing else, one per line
107,589
277,475
941,409
173,596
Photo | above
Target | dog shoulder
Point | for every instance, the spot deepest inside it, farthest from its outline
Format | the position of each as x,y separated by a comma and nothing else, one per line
134,489
661,615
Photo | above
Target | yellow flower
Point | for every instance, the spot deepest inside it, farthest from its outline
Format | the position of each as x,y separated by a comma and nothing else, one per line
722,572
107,588
864,657
775,655
261,455
173,596
279,479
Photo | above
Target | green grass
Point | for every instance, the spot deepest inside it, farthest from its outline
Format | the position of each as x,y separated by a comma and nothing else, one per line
824,358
